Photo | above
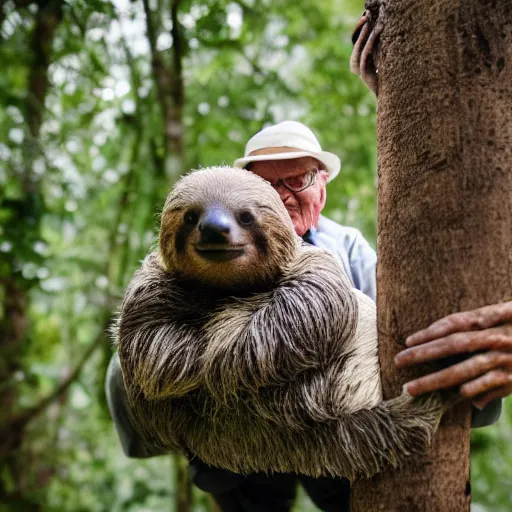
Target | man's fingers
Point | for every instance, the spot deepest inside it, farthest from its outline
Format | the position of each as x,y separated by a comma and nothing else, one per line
496,338
482,318
502,392
358,28
355,58
459,373
368,71
486,383
365,38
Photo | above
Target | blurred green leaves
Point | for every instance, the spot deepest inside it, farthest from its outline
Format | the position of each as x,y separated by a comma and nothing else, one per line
77,233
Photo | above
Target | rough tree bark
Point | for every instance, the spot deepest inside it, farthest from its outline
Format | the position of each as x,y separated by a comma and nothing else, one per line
444,207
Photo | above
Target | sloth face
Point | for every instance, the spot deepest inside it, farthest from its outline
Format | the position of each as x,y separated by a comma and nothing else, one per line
226,228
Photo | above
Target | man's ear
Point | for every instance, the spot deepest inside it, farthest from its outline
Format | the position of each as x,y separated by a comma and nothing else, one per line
323,176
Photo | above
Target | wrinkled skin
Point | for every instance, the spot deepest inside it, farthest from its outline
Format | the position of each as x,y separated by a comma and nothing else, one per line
363,61
484,334
303,207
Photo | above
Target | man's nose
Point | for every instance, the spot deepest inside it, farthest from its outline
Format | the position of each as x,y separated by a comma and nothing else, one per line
214,226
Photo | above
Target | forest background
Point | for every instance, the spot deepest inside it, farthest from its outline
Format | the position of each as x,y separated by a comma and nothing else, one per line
103,104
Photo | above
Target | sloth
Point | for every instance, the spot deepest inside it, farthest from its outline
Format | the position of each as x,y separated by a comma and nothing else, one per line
244,346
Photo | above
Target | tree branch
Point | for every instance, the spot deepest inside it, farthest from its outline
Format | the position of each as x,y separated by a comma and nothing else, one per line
17,424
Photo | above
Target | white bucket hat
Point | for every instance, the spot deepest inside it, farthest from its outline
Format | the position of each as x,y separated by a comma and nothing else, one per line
285,141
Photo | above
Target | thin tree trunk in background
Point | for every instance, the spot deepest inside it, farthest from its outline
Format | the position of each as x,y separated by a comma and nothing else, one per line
14,289
174,127
48,18
2,17
175,163
444,208
169,84
170,90
182,485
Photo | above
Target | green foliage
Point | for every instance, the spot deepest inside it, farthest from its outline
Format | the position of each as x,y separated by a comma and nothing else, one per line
491,464
79,204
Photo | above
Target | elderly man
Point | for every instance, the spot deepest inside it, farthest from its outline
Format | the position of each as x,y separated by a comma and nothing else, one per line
289,156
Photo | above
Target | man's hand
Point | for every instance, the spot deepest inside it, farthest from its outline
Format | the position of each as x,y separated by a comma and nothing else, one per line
363,59
485,334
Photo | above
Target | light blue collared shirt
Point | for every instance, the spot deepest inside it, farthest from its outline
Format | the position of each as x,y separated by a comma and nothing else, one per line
351,248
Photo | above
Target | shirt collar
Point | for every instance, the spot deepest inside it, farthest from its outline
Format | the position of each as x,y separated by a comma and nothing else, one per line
310,236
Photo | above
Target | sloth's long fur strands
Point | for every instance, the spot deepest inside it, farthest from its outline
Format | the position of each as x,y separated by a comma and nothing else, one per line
252,351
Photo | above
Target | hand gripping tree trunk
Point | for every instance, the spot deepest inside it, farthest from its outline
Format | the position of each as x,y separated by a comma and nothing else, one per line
444,207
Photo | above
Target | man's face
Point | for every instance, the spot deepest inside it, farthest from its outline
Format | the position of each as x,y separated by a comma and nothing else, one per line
304,207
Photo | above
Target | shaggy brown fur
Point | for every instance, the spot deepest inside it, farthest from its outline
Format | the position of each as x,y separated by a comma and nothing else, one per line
261,359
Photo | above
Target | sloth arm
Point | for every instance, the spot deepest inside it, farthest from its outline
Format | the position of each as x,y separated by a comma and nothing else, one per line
272,337
158,353
132,443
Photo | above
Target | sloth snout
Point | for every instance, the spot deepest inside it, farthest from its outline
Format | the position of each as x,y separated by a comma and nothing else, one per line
215,226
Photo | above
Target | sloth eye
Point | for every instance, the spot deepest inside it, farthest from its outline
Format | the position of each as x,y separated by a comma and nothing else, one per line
246,218
191,218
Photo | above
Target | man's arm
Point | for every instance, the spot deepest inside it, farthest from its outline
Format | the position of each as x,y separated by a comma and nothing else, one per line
354,252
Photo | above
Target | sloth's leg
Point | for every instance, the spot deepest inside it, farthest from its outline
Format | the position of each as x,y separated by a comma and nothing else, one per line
363,443
353,445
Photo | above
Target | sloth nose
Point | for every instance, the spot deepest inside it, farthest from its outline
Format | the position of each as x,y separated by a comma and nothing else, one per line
214,226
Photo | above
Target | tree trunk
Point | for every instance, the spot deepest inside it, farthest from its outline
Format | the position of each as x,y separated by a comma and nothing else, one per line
444,207
170,93
26,217
182,484
170,90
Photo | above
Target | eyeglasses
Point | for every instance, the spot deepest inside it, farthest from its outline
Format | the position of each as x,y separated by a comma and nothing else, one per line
298,183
